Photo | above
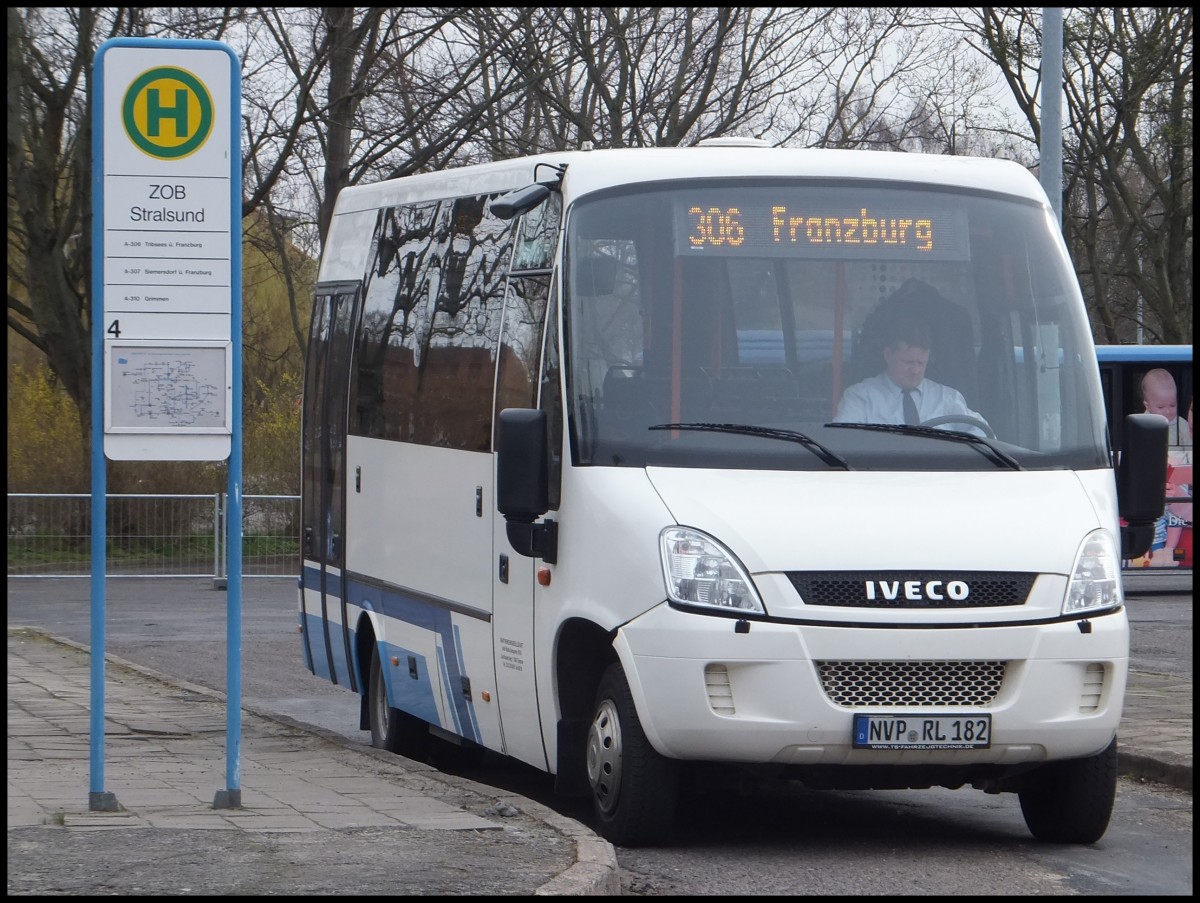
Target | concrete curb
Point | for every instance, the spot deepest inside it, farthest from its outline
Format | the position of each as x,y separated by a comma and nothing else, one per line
1162,768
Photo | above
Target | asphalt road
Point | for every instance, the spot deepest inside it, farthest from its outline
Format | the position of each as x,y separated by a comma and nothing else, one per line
735,839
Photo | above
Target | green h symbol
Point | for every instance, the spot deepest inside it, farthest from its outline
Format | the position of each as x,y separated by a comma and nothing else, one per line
156,113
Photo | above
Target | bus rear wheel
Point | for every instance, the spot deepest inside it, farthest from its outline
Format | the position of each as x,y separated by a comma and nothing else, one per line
392,729
1072,801
634,789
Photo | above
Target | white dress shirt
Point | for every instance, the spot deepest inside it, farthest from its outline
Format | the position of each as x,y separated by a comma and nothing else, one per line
879,400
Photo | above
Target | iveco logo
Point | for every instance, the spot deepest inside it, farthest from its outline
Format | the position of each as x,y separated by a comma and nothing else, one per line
935,590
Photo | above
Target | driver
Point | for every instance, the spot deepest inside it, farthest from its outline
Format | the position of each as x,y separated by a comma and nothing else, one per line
901,393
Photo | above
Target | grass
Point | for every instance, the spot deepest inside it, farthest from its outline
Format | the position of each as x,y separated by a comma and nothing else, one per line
42,550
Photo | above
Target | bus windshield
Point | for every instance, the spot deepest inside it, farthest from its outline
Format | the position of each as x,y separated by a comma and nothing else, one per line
705,319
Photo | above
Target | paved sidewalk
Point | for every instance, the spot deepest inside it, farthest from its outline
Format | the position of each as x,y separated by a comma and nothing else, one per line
317,815
1154,742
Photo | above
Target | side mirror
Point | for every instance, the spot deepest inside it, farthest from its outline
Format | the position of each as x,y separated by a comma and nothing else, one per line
520,201
522,482
1141,481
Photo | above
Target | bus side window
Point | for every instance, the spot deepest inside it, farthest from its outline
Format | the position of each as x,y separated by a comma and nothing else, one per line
405,255
520,342
434,304
550,400
538,236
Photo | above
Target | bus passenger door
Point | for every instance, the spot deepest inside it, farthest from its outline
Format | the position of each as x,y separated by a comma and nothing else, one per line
512,645
513,575
326,636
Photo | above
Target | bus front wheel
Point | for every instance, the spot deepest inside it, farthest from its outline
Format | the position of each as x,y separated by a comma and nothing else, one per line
1072,801
634,789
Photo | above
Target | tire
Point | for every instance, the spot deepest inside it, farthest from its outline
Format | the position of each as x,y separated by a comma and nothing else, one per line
392,729
1072,801
634,789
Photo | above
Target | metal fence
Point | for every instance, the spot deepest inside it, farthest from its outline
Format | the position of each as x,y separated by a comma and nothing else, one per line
49,535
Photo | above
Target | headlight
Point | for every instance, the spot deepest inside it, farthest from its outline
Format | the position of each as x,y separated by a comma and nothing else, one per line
701,571
1096,578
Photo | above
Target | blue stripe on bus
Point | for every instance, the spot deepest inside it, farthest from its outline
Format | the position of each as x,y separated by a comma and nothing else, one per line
467,703
452,692
414,696
318,663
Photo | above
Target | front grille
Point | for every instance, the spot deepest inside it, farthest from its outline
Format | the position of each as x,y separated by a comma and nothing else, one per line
912,589
858,684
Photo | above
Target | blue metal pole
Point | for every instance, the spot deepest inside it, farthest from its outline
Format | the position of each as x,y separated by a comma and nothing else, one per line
99,523
98,798
233,519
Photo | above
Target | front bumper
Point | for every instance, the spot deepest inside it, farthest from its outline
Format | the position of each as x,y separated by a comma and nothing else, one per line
706,692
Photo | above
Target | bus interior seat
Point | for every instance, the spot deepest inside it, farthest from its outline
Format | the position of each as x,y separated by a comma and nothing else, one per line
754,394
952,362
635,398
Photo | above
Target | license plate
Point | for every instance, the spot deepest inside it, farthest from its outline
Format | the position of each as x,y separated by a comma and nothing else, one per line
922,731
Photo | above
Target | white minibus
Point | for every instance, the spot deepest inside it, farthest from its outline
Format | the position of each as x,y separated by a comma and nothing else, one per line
608,467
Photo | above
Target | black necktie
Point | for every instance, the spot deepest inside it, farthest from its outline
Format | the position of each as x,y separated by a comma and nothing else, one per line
910,409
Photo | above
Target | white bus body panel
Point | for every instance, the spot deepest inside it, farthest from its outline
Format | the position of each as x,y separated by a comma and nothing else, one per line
413,524
413,528
609,571
420,534
608,567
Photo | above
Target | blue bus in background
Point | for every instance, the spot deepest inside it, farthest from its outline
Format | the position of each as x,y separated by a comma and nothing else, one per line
1158,379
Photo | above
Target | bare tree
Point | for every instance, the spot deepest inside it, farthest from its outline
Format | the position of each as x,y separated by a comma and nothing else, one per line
889,82
648,76
831,77
1127,156
49,170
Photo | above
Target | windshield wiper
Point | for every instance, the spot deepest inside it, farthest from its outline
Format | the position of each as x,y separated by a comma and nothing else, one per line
745,429
985,448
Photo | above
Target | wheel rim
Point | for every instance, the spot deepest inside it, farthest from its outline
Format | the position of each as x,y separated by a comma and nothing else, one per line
604,756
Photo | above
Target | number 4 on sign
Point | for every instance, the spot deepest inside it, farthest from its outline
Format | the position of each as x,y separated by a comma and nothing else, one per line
114,329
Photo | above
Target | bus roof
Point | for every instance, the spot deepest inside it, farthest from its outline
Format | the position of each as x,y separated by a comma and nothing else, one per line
1139,353
593,170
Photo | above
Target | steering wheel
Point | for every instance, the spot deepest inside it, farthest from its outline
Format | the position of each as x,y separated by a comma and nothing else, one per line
961,418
